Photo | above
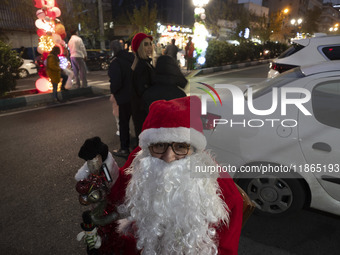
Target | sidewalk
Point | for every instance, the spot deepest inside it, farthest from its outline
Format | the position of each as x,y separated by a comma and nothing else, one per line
30,98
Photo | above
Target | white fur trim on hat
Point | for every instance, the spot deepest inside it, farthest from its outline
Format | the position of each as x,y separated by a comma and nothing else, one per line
178,134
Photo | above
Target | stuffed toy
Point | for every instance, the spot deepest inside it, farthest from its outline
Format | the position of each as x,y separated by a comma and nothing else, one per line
95,179
89,233
99,161
94,182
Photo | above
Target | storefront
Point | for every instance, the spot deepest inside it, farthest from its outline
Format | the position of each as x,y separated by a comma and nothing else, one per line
168,32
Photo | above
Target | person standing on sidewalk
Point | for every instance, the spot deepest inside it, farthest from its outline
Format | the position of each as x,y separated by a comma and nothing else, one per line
171,50
142,78
54,72
120,74
78,57
189,54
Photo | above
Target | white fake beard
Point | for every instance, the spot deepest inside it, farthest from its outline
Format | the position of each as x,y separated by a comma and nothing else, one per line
174,213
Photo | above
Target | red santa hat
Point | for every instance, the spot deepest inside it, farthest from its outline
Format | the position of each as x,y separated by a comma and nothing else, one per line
177,120
137,39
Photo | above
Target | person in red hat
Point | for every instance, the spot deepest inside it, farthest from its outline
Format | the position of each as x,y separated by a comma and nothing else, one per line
142,77
172,210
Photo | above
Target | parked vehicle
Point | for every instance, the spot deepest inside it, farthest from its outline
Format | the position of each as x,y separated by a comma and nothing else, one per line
97,60
285,159
27,68
306,52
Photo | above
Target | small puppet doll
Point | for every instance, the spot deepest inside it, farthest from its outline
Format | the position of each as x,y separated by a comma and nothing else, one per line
95,191
91,238
98,160
95,179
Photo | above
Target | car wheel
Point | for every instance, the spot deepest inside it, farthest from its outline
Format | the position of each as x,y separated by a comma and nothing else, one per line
104,66
275,195
22,73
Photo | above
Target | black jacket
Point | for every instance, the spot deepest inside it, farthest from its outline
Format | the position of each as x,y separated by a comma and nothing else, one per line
143,77
120,74
167,81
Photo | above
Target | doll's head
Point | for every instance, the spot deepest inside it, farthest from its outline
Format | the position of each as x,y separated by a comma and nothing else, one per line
94,151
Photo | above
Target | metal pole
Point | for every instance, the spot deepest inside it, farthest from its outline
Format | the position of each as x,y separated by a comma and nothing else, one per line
182,12
101,25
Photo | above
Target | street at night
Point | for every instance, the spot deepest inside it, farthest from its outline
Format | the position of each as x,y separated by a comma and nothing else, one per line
40,211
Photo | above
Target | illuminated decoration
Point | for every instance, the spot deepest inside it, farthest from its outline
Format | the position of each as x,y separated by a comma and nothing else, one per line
51,32
246,33
45,44
178,29
43,85
201,60
63,62
200,3
200,30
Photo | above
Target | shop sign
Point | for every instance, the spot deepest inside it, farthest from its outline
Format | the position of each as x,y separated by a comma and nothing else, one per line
179,29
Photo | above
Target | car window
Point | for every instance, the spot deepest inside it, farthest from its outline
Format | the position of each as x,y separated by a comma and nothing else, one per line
279,81
326,103
290,51
332,52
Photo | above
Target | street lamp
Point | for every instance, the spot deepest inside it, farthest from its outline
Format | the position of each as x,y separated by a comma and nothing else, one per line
297,23
334,28
200,31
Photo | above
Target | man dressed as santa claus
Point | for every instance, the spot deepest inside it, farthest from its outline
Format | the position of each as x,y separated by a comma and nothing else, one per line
170,210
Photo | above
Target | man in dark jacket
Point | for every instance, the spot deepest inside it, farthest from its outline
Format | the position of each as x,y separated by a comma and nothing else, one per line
171,50
120,74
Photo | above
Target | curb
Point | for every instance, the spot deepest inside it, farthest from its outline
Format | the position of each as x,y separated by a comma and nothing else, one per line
233,66
46,98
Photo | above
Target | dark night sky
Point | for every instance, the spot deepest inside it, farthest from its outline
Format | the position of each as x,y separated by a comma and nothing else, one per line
169,11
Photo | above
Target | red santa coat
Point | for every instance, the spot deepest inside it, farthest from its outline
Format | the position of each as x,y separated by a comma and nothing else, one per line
227,235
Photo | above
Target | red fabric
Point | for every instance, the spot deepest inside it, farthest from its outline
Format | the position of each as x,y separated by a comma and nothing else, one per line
179,112
228,235
137,39
189,50
112,242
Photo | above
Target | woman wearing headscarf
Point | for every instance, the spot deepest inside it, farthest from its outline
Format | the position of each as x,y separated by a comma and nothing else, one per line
142,78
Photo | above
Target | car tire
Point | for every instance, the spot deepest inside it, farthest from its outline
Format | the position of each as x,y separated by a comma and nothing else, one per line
104,66
22,73
275,195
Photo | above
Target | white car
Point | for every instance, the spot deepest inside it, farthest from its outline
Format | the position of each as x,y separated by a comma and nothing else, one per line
281,143
27,68
306,52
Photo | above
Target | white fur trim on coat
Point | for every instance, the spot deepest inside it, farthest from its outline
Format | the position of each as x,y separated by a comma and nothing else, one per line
179,134
111,164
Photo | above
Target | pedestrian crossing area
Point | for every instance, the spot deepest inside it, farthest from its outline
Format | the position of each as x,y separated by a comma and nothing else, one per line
98,83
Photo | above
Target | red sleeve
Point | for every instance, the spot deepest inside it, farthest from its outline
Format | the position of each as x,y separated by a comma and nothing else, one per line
229,235
117,192
112,242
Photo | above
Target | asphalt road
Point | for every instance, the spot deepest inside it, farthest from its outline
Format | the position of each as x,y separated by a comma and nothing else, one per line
40,212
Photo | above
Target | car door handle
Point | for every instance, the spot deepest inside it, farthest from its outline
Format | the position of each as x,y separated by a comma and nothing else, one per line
322,147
